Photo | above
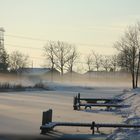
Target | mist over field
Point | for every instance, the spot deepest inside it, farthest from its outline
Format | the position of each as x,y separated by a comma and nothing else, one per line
23,110
54,52
67,80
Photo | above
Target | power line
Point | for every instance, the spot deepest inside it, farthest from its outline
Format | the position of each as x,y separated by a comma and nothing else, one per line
30,47
93,45
24,37
22,47
45,40
42,40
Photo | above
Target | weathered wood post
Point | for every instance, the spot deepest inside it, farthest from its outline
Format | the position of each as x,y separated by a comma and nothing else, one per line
98,129
78,101
93,127
78,97
75,103
46,118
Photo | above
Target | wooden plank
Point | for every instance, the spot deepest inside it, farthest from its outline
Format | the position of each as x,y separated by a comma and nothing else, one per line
86,105
100,99
102,105
107,102
108,99
118,125
53,124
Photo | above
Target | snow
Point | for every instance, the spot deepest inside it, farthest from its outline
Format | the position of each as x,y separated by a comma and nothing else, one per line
23,110
131,116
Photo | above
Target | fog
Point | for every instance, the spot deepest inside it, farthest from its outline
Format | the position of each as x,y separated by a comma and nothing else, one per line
90,81
23,110
68,80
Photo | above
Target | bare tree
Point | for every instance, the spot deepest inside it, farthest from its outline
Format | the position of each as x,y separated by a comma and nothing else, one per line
138,64
124,59
106,63
18,60
4,59
137,72
114,62
72,58
97,60
128,48
49,53
89,62
60,55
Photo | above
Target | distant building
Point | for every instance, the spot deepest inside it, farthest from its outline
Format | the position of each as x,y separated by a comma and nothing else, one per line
37,71
108,75
72,75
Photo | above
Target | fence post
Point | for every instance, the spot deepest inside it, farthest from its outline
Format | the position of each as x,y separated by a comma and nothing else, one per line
75,103
78,97
93,127
78,101
46,118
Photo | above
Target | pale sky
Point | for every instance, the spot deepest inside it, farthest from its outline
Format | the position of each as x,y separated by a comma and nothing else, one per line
89,24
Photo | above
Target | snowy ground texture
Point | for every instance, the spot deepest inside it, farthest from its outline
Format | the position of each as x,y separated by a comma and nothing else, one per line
131,116
23,111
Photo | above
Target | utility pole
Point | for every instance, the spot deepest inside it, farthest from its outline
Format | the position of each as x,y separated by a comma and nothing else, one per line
2,66
2,37
32,64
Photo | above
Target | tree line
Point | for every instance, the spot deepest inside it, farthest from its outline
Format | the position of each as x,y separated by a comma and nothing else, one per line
63,56
12,62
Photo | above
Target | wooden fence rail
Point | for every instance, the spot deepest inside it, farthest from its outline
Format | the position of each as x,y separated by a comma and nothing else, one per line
100,102
48,125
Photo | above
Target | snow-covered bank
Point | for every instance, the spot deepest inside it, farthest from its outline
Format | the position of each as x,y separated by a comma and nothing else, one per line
131,116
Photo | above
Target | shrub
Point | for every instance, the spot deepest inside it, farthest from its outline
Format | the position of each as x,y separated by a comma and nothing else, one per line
4,85
10,86
39,85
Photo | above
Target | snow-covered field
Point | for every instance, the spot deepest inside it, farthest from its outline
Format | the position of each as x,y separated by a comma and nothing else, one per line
21,112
